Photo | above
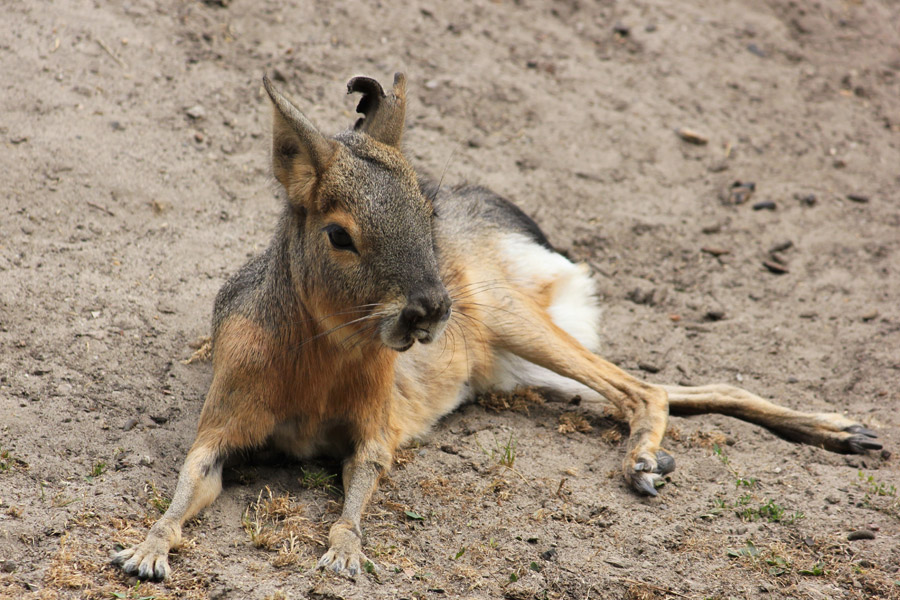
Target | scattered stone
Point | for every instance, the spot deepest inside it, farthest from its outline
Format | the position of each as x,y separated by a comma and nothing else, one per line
117,126
764,205
781,247
64,389
449,449
277,75
858,198
715,315
549,554
648,367
778,258
165,307
808,200
775,267
622,30
7,566
832,499
718,166
130,424
756,50
792,379
196,112
650,27
710,229
738,192
18,140
861,534
160,419
199,137
870,316
715,251
692,137
886,454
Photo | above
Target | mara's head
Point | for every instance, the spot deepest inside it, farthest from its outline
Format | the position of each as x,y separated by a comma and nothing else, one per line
360,231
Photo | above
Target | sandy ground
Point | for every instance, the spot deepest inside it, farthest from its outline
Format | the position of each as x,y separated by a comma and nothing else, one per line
135,141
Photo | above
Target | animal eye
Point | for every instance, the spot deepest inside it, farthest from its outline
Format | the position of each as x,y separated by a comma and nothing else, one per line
339,238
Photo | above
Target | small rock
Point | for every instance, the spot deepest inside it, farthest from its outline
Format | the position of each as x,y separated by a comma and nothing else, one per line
886,454
861,534
858,198
196,112
117,126
738,192
792,379
622,30
165,307
549,554
718,166
130,424
692,137
808,200
756,50
159,419
649,368
710,229
832,499
277,75
715,315
764,205
715,251
650,27
870,316
64,389
7,566
775,267
781,247
449,449
145,461
199,137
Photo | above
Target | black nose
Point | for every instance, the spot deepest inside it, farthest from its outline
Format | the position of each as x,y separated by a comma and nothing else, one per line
425,309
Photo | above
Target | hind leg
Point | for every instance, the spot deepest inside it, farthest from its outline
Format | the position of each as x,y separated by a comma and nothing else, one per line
829,430
525,329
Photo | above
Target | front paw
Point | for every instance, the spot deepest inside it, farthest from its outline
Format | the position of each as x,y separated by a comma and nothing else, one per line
345,556
148,560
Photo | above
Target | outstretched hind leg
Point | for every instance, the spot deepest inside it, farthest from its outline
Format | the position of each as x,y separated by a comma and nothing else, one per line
528,331
828,430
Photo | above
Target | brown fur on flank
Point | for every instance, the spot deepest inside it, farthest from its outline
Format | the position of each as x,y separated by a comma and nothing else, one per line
382,303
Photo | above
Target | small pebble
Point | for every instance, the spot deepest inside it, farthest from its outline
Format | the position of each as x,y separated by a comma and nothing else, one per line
774,267
621,29
196,112
782,246
808,200
715,251
857,198
692,137
449,449
861,534
764,205
870,316
756,50
130,424
649,368
886,454
549,554
715,315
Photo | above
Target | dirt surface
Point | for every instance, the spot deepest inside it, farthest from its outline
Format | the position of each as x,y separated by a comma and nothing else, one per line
135,142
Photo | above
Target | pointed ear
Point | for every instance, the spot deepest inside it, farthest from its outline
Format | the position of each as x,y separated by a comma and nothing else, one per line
383,115
300,154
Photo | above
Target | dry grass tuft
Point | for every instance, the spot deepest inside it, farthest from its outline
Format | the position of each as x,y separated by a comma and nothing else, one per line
707,439
276,523
521,401
573,422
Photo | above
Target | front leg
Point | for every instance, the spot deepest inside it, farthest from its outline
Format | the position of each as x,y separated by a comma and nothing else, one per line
361,474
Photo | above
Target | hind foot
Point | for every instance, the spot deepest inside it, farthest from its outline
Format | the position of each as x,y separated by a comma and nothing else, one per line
646,473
